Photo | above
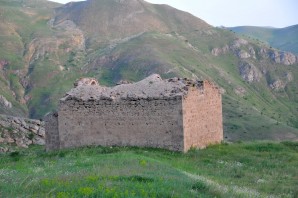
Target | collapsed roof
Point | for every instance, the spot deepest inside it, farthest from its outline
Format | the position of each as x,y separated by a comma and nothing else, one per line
152,87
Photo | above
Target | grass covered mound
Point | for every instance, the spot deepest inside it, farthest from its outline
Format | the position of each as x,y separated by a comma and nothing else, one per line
257,169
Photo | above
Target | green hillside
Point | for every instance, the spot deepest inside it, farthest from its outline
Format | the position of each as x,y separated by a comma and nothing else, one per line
47,46
281,38
259,169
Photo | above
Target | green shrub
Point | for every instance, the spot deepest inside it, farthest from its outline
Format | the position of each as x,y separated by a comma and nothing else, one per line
266,147
31,136
199,186
291,145
86,191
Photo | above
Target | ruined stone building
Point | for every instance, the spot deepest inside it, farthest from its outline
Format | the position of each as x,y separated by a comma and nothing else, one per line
175,114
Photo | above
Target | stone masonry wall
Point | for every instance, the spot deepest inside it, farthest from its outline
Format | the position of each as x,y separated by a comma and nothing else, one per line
20,132
145,123
52,133
202,117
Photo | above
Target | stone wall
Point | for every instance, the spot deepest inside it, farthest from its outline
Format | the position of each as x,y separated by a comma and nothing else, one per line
52,133
202,117
20,132
145,123
174,114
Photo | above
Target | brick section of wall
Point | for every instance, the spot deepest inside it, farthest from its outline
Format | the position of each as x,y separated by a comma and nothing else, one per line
52,133
202,117
144,123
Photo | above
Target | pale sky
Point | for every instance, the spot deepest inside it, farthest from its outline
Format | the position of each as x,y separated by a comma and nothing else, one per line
229,13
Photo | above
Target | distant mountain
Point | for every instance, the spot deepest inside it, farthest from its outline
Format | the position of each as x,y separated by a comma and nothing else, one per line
285,39
110,19
45,47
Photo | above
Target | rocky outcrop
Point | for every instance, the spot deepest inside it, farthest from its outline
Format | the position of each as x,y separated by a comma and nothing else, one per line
237,43
285,58
5,103
277,85
249,72
21,132
288,58
235,48
274,55
252,52
242,49
243,54
220,51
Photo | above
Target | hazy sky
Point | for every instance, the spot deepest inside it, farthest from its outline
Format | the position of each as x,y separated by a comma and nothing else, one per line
275,13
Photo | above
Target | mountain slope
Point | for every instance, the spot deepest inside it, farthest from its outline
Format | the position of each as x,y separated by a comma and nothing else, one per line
20,23
281,38
105,20
115,40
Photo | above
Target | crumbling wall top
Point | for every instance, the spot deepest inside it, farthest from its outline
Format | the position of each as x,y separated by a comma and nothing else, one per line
152,87
86,81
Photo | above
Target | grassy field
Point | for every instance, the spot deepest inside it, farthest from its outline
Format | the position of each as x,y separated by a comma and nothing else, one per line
256,169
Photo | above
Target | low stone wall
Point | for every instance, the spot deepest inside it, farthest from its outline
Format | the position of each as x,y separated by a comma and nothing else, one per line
21,132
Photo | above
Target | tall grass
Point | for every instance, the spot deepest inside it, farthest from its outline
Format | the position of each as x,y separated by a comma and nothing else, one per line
257,169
